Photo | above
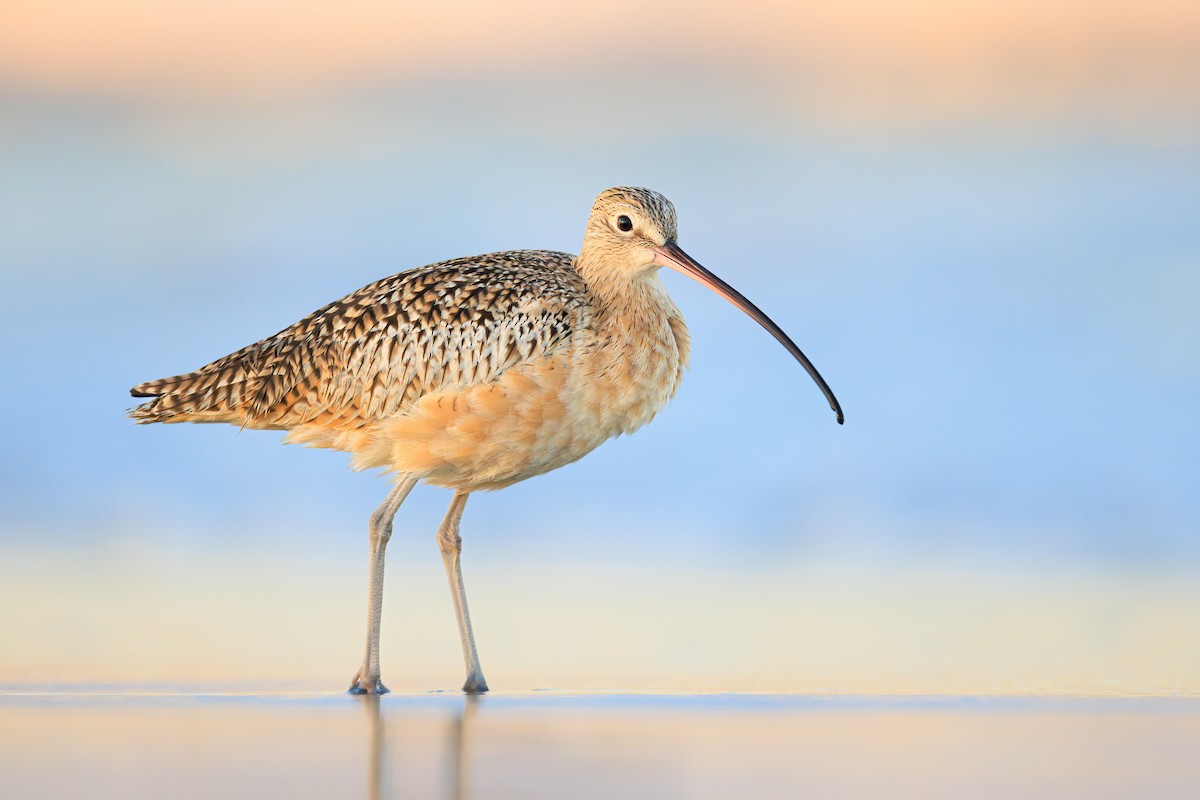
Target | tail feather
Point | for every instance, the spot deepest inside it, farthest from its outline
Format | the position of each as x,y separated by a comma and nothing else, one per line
214,393
158,388
193,397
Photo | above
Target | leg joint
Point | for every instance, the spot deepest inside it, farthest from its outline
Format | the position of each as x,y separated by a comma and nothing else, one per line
380,527
449,541
380,524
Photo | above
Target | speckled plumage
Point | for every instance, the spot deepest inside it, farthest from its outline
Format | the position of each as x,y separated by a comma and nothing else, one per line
371,354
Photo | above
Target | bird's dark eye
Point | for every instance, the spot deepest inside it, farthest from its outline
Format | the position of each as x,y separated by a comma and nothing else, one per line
624,223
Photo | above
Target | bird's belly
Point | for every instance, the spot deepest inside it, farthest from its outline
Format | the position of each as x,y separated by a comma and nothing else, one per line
533,419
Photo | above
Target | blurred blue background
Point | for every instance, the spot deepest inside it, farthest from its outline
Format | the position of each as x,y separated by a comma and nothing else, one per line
991,251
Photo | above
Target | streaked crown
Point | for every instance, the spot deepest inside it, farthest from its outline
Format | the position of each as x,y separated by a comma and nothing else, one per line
645,206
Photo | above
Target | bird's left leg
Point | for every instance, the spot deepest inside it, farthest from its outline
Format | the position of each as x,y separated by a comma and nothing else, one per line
367,680
450,543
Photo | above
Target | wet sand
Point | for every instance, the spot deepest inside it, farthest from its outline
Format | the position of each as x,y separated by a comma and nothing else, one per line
64,743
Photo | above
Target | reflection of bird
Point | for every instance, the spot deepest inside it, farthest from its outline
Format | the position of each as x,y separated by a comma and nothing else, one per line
376,748
458,748
471,374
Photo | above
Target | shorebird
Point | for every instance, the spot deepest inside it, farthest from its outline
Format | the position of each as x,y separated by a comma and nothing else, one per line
471,374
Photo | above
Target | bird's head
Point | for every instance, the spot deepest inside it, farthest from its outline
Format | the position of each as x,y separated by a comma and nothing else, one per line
631,233
625,226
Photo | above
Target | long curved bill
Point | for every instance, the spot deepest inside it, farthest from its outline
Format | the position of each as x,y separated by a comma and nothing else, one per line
672,255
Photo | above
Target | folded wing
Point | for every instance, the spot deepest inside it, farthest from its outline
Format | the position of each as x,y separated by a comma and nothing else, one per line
375,352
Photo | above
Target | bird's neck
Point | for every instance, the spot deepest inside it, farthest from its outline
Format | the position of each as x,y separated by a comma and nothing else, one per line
621,291
636,345
637,309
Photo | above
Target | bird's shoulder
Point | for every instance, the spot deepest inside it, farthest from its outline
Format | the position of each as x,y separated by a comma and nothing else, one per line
474,292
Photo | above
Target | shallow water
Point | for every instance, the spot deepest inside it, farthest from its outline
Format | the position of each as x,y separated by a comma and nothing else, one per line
554,744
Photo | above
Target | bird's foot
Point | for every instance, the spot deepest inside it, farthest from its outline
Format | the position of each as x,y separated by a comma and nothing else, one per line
475,684
361,685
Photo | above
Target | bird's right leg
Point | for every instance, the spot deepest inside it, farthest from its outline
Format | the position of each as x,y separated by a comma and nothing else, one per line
450,543
367,680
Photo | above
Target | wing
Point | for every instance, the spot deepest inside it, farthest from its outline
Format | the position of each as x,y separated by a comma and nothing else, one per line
376,351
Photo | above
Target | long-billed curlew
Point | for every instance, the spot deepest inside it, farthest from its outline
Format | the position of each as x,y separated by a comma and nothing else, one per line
471,374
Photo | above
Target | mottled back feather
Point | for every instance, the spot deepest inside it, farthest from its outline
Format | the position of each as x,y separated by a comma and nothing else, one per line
373,353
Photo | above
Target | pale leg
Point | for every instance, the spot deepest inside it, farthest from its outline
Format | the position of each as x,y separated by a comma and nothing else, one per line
450,543
367,680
